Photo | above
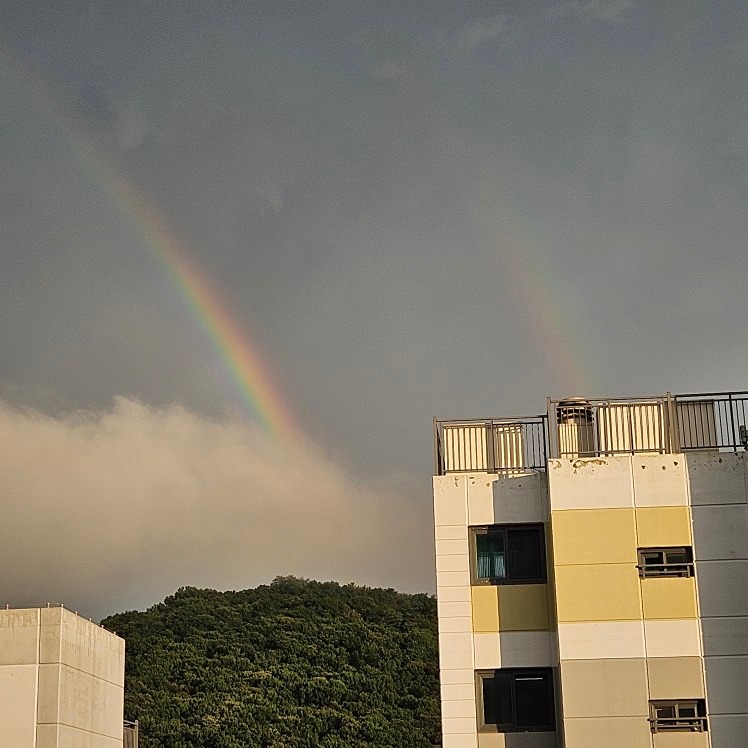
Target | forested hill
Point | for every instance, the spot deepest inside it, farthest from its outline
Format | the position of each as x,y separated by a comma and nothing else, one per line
289,665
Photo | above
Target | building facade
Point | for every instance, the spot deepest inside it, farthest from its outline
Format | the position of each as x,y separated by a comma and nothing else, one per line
61,681
592,575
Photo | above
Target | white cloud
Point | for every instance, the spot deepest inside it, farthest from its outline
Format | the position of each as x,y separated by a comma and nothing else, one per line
500,27
609,11
116,509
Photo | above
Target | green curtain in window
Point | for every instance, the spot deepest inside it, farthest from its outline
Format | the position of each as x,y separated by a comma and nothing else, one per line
491,556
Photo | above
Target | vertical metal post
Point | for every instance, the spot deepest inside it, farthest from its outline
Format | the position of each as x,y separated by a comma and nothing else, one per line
734,435
437,471
552,430
491,466
672,417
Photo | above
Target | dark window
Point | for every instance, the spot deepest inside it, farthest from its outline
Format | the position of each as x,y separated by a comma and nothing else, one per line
683,715
517,700
506,554
666,562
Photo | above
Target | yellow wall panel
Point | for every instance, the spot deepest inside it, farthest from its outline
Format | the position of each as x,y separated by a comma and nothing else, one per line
594,536
675,677
523,607
485,603
605,592
669,597
663,526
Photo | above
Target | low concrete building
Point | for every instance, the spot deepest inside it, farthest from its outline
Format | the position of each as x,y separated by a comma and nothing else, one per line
61,681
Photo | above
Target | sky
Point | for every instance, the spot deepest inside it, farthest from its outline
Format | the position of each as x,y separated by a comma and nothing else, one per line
250,249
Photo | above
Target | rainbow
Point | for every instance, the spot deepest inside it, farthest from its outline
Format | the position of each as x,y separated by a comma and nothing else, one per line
238,354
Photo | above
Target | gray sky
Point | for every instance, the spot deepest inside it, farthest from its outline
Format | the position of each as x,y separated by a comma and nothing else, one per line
411,208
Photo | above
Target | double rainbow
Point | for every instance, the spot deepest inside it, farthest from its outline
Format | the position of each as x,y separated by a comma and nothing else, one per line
238,353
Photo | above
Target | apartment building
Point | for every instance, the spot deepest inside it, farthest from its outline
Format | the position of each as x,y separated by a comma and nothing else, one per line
592,575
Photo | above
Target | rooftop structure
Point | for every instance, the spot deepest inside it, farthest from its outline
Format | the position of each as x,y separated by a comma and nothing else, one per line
61,681
592,574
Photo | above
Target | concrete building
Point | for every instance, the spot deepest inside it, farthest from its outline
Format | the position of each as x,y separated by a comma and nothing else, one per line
61,681
592,575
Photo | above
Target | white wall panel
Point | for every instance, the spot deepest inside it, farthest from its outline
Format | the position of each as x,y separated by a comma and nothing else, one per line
607,639
725,636
723,588
720,532
659,480
674,638
591,483
717,478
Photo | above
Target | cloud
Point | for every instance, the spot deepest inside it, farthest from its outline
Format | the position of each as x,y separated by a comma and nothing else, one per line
609,11
130,126
115,509
499,28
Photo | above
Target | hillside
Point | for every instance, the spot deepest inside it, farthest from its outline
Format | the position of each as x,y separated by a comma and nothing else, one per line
293,664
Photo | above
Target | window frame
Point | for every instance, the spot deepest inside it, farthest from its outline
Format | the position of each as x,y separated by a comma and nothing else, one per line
697,723
546,672
666,569
505,529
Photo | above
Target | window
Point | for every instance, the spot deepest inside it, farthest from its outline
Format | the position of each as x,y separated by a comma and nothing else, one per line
517,700
666,562
508,554
684,715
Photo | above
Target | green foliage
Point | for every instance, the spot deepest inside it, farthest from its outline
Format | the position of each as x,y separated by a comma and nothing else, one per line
293,664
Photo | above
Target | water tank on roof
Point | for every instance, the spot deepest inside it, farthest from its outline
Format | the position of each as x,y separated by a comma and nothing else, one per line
575,418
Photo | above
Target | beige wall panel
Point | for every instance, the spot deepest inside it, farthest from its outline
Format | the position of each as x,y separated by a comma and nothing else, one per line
460,740
604,688
485,600
458,726
452,578
675,677
612,732
681,740
69,737
458,691
669,598
531,740
487,649
594,536
465,708
480,501
602,639
455,650
47,736
453,562
453,609
48,699
450,532
525,649
90,703
462,625
663,526
591,483
452,547
19,632
523,607
453,594
17,705
450,500
451,676
659,480
606,592
491,740
676,638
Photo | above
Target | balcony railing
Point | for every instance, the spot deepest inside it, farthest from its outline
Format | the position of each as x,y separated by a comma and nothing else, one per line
665,424
130,734
493,445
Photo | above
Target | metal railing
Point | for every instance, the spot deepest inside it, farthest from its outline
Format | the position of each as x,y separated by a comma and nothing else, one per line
664,424
713,420
491,445
130,734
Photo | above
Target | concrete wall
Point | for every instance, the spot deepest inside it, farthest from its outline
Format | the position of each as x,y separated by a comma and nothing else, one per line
487,627
623,641
719,498
61,681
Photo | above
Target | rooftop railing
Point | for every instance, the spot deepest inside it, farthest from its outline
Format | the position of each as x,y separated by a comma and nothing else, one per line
492,445
577,427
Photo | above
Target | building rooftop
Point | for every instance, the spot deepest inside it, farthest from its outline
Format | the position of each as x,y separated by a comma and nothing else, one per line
579,427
